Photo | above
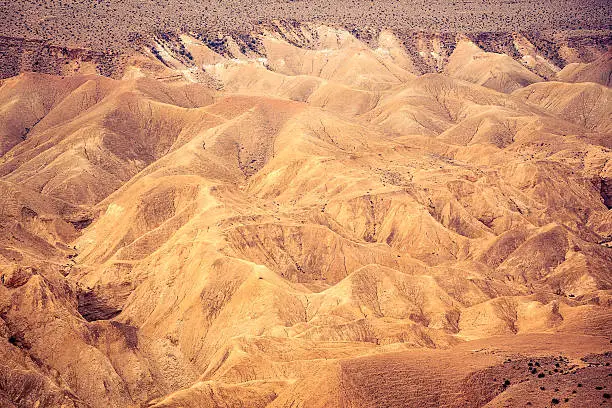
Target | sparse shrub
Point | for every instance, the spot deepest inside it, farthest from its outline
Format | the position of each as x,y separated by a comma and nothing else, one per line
555,401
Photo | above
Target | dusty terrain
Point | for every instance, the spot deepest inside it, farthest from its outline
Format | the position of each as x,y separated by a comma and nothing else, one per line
116,24
305,217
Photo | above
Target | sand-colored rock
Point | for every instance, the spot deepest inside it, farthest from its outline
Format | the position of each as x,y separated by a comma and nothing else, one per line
307,220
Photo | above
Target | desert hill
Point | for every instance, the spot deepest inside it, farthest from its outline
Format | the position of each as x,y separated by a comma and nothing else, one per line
316,220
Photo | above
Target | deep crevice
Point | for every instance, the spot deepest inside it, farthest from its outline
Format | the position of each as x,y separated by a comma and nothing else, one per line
93,307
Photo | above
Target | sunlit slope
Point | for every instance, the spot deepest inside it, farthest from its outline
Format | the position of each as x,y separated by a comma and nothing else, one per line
280,230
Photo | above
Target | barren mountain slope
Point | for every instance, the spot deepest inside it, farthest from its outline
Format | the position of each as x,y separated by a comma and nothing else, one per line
314,221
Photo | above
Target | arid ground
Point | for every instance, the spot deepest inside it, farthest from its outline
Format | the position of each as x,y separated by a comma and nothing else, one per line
305,204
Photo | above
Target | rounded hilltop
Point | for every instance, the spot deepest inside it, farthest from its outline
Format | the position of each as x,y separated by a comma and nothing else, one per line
203,205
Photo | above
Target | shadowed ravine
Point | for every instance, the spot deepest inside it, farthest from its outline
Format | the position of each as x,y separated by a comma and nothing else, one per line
300,215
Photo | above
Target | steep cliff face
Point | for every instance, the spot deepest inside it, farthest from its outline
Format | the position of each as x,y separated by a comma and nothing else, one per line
22,55
306,216
543,53
117,24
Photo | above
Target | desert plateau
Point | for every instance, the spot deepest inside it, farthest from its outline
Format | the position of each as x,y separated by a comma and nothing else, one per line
305,204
